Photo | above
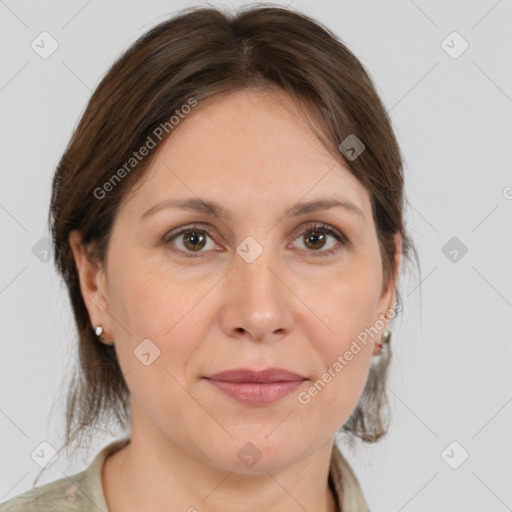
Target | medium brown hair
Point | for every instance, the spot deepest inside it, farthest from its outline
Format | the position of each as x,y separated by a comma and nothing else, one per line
197,54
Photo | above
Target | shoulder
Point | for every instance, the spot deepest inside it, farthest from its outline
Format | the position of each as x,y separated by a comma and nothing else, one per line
58,496
346,484
80,492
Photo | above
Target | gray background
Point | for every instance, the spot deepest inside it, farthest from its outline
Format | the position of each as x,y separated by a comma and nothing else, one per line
450,378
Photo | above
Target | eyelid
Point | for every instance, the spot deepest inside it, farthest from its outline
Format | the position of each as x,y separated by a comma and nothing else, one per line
173,233
311,225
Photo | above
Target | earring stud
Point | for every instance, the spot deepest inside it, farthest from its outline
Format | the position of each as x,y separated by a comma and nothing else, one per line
386,337
98,330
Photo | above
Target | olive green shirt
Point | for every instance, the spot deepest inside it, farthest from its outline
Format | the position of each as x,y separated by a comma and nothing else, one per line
83,492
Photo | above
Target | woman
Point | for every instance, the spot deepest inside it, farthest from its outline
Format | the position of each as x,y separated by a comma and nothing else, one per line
228,218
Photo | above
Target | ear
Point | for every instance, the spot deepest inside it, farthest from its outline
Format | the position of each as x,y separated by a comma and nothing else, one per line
388,297
92,285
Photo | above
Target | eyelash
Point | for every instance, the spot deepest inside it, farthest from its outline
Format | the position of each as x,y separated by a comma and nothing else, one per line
325,229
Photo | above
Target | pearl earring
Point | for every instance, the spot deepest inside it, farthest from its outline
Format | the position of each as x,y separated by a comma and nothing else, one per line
98,330
386,338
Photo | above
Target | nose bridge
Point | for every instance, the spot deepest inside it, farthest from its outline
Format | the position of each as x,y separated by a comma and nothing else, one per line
256,302
256,268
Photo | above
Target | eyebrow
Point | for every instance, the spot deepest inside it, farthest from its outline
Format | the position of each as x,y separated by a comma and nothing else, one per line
213,208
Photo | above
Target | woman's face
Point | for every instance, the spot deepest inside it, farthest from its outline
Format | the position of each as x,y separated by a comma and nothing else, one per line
256,288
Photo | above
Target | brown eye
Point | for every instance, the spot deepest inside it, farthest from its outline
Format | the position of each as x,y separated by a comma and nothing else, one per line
316,240
194,240
190,242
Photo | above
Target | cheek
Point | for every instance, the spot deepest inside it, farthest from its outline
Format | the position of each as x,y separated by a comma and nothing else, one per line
333,396
347,303
346,351
348,310
148,306
144,296
152,308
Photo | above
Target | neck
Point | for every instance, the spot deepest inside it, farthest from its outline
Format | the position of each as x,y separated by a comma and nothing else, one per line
152,473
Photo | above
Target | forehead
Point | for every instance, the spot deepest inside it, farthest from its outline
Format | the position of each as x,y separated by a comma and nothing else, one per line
246,148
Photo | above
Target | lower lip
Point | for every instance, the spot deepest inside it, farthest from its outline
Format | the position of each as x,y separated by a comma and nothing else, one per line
257,394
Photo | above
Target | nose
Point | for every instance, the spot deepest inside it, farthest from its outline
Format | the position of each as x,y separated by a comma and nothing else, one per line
257,303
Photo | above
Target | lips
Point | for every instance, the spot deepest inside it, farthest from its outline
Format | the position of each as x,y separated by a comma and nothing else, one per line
248,375
256,388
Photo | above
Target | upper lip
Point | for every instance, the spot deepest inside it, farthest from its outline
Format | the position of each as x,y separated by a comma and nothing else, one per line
249,375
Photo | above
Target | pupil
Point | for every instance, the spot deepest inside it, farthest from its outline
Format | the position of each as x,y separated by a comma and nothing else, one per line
316,237
194,238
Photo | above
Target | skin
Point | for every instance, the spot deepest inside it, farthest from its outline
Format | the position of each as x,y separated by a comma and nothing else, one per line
253,153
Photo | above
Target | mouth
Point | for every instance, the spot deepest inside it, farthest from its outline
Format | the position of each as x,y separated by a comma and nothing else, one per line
255,387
